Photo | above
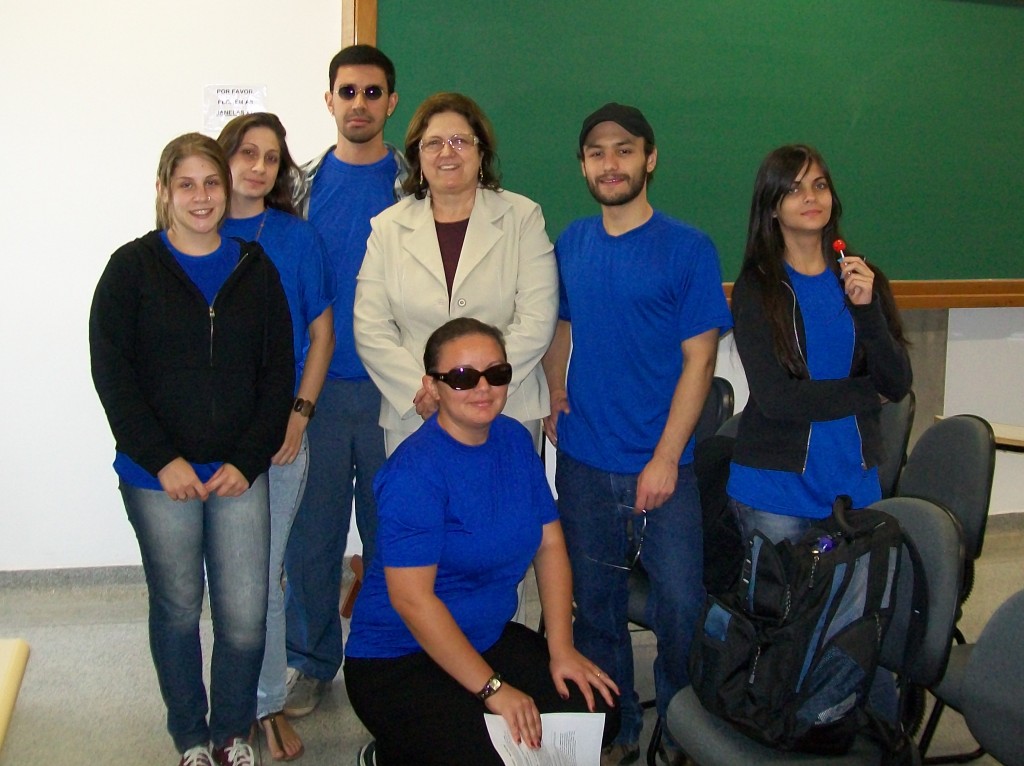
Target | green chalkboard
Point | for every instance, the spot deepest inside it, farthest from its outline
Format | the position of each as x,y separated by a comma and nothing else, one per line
918,106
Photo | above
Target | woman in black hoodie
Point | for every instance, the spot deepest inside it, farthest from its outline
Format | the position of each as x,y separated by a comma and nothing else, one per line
191,345
822,347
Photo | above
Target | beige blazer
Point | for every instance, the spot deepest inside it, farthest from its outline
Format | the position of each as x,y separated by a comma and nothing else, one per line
506,277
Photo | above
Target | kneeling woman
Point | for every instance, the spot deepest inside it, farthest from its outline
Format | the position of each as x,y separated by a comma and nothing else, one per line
464,507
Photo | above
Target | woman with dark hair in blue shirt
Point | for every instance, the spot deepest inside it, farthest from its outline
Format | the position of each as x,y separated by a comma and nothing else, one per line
822,347
464,508
262,175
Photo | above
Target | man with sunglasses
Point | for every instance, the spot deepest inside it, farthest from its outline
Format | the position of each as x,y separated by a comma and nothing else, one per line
340,192
641,306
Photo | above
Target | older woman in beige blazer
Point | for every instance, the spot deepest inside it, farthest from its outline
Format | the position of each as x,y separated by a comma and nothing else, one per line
459,246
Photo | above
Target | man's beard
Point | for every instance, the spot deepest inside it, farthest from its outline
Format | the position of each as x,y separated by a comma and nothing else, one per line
621,196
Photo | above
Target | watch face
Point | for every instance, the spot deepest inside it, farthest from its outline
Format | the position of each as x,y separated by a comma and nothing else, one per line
493,684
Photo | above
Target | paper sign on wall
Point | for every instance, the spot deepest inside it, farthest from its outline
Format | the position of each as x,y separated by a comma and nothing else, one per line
221,103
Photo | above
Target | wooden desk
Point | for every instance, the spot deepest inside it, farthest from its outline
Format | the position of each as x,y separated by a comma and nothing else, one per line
1008,437
13,658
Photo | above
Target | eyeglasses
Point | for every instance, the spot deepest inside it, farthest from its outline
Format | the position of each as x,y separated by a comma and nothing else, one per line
636,525
435,144
349,92
466,378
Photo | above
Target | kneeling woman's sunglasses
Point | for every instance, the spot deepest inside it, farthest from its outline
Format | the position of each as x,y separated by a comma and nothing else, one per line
466,378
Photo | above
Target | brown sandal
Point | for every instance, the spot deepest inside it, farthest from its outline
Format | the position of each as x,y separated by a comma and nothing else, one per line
276,720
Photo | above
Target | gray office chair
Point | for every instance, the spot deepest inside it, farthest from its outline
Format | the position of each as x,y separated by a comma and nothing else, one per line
717,409
896,419
992,677
952,465
711,741
731,426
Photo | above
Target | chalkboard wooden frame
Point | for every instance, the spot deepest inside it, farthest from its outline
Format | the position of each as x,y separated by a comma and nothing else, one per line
359,22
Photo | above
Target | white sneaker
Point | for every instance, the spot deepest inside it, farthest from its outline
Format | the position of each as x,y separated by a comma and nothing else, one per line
199,755
236,753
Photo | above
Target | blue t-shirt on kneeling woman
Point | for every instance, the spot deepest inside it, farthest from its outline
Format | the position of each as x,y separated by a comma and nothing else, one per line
476,512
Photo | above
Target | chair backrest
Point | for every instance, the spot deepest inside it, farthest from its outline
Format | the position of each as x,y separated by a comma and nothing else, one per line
952,465
992,682
718,408
731,426
895,420
937,539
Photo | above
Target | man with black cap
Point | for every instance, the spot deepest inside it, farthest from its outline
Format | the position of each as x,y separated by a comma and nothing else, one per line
642,308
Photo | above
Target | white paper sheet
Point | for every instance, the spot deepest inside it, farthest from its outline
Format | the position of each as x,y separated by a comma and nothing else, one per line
567,739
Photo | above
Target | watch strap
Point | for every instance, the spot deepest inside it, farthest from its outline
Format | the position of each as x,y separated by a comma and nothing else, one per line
492,685
304,407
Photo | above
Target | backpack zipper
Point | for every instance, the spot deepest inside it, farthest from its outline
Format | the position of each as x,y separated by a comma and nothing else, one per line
753,667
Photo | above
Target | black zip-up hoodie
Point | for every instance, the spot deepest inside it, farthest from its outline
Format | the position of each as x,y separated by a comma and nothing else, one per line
180,378
775,427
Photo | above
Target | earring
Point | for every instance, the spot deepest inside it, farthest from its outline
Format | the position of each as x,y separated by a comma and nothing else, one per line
481,172
421,177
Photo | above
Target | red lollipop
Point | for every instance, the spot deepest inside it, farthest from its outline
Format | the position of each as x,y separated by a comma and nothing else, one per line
839,246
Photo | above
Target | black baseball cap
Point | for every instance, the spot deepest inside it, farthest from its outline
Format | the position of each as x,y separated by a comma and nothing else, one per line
629,117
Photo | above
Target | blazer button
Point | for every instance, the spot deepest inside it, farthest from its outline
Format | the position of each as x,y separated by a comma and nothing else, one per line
462,303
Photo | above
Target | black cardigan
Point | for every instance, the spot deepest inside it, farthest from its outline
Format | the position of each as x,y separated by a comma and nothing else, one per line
180,378
775,426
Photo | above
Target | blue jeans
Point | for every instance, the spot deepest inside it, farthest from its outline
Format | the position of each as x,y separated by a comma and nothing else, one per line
672,554
346,449
232,536
775,526
287,483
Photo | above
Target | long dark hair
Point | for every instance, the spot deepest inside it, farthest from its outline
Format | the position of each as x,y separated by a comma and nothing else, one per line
231,138
764,256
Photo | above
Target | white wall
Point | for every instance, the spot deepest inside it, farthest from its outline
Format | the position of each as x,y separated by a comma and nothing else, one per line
984,373
92,92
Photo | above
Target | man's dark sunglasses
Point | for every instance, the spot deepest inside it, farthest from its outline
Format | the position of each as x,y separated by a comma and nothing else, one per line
349,92
466,378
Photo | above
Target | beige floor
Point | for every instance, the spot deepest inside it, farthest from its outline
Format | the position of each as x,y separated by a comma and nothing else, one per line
90,693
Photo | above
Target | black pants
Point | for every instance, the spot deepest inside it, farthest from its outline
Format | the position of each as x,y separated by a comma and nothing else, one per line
419,715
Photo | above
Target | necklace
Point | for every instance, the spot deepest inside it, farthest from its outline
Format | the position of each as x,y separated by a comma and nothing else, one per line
263,220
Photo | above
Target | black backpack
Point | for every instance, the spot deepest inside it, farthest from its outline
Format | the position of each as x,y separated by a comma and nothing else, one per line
789,654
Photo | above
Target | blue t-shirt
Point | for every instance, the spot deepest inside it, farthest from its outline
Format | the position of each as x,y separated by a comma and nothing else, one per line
208,273
475,512
344,199
632,300
835,462
301,260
